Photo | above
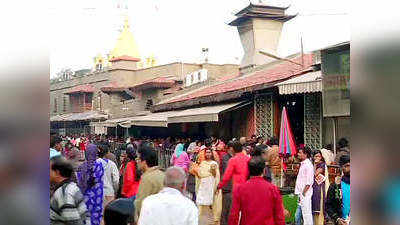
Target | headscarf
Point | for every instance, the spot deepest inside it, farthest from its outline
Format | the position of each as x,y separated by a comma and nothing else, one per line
178,150
74,157
86,179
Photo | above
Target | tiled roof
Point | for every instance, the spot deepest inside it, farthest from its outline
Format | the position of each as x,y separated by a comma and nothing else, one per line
112,87
228,77
83,88
172,90
270,75
158,82
126,58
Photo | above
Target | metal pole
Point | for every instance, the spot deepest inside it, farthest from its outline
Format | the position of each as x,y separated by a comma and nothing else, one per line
334,135
302,52
282,173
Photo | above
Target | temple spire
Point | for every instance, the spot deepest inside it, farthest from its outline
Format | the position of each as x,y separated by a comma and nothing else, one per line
126,44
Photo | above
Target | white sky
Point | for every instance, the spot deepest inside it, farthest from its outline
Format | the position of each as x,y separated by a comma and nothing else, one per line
175,30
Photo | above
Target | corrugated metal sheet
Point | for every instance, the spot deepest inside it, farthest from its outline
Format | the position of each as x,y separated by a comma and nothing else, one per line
59,118
162,119
89,115
273,73
152,120
307,83
201,114
114,122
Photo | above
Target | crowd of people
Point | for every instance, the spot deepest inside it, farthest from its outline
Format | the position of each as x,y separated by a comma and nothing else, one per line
209,181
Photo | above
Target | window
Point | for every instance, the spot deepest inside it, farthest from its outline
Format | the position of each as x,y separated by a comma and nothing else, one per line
336,63
149,104
64,103
336,82
55,105
203,75
195,77
125,96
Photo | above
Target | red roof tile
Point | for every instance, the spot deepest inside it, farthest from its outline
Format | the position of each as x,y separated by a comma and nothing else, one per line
172,90
112,87
228,77
270,75
124,57
84,88
158,82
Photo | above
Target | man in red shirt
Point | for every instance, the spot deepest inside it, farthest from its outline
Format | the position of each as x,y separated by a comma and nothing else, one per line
258,200
237,169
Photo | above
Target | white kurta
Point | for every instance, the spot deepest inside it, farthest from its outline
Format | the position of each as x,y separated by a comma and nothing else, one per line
168,207
207,185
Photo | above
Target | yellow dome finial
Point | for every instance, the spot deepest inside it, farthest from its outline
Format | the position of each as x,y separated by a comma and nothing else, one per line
126,44
99,62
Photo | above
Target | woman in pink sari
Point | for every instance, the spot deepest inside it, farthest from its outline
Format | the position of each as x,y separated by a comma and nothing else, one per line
180,158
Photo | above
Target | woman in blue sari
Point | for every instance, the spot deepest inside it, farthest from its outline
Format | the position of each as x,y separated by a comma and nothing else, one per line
90,181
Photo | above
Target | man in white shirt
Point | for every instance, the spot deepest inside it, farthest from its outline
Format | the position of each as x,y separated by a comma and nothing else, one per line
111,176
169,206
303,188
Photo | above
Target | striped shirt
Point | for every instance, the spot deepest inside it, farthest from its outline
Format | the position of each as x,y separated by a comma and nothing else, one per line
67,205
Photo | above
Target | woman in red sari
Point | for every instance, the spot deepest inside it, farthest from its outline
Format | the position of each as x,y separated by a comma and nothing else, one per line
131,175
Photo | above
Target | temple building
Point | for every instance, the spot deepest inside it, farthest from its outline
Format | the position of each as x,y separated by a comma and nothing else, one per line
121,84
126,95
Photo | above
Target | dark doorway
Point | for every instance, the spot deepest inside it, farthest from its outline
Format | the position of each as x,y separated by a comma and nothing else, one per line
295,108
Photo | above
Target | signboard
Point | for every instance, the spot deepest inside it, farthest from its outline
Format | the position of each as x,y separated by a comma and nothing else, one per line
336,81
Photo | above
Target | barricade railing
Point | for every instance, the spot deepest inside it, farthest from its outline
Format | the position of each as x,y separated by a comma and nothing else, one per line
164,157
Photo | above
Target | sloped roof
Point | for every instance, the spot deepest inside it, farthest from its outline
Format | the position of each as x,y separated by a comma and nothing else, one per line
273,73
306,83
261,11
89,115
158,82
83,88
112,87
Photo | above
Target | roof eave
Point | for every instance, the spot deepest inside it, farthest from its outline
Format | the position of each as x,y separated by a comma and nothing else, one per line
215,98
261,6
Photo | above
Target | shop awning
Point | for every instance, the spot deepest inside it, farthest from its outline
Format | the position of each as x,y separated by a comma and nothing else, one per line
59,118
307,83
162,119
89,115
113,122
203,114
152,120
